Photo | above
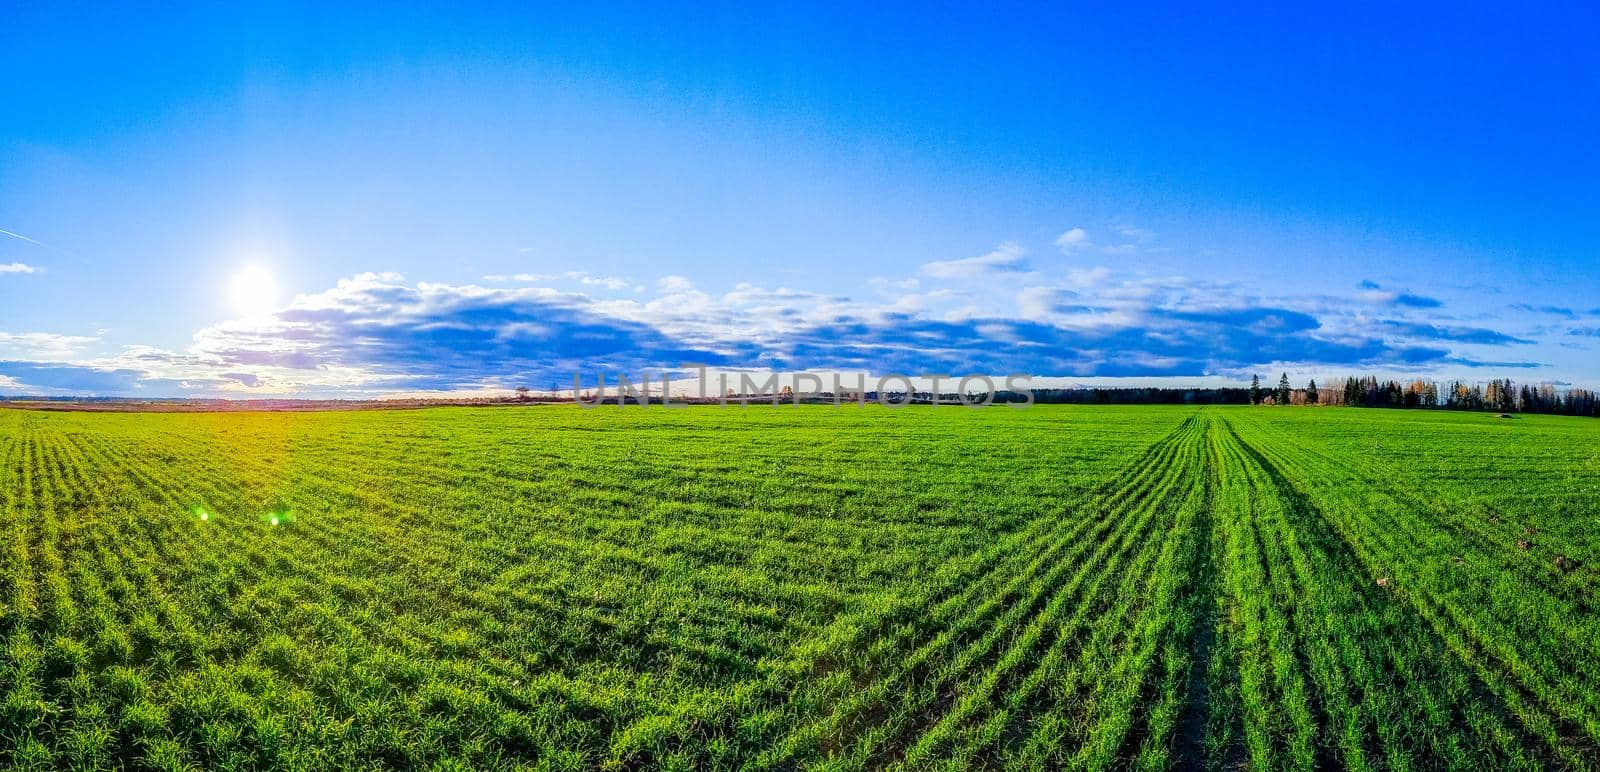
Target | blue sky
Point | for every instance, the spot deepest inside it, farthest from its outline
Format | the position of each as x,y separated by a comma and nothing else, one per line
503,194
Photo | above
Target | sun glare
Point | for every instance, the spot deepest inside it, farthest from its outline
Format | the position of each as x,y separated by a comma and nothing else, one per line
253,291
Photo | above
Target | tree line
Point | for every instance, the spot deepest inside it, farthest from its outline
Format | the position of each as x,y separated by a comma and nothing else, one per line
1500,395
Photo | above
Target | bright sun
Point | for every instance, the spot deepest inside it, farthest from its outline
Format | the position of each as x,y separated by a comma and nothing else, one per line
253,291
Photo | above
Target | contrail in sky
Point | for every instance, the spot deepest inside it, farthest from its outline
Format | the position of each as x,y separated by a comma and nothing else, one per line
24,238
41,244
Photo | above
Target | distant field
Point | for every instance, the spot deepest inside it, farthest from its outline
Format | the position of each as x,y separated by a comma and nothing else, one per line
800,587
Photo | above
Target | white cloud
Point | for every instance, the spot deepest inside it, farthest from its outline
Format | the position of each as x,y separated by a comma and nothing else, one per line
674,284
46,345
1007,257
502,278
1134,240
1037,302
581,277
909,304
892,287
609,282
18,268
1087,277
1074,239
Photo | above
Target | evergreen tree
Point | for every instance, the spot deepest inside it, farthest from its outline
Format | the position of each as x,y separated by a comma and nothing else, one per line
1255,389
1283,390
1311,392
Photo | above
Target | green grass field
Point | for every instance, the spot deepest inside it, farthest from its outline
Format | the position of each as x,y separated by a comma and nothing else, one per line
799,587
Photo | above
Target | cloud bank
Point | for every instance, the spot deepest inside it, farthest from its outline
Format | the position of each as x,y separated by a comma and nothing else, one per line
380,333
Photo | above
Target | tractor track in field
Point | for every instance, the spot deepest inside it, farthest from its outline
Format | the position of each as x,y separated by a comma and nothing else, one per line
1070,548
1512,704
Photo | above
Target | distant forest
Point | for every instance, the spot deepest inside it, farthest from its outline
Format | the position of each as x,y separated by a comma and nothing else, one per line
1500,395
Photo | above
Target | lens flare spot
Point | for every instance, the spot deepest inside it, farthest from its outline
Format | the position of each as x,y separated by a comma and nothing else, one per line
278,517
